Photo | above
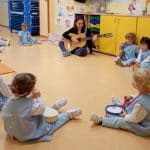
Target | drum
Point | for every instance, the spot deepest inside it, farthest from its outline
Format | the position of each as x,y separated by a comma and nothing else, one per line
50,115
113,110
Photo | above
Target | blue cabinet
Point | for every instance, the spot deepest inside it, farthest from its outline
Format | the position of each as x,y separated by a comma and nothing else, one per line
24,11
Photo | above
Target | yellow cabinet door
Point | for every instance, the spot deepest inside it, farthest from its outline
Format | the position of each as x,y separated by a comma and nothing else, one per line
143,27
108,25
124,25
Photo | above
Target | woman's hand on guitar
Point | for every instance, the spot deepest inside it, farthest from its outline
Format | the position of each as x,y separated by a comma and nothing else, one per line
74,40
94,38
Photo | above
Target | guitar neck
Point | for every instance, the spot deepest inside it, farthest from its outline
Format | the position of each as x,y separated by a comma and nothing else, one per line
90,38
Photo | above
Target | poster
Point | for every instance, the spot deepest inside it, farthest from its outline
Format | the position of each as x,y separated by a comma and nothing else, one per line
65,14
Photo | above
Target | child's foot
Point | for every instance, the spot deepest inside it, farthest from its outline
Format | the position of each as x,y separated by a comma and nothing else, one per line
120,63
95,118
39,42
116,60
2,48
66,53
115,100
59,103
74,112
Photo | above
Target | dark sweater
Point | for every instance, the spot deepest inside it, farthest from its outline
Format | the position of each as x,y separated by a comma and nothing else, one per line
89,44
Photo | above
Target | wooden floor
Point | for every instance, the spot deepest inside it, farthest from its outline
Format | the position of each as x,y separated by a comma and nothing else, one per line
87,83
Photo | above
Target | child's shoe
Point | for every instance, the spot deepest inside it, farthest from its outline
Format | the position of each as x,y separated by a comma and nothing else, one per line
59,103
95,118
115,100
39,42
120,63
2,48
74,112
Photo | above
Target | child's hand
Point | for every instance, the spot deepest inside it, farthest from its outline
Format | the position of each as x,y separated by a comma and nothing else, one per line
134,65
122,45
128,98
74,40
122,114
35,94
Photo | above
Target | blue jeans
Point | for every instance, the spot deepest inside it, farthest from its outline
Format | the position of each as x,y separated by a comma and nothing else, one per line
79,51
62,119
115,122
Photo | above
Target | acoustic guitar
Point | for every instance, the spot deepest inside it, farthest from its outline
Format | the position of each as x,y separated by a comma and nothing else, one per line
69,45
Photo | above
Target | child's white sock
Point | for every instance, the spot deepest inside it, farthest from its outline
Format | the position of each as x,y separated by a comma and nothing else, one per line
95,118
74,112
59,103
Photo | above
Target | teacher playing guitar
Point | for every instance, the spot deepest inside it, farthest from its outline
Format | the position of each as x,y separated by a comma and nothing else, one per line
78,28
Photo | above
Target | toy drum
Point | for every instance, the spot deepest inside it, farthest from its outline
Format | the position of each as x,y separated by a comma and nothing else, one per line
50,115
113,110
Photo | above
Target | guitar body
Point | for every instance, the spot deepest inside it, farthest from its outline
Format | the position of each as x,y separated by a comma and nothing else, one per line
69,45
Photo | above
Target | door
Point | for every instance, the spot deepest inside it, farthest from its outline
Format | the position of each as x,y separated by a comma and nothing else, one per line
44,11
108,25
124,25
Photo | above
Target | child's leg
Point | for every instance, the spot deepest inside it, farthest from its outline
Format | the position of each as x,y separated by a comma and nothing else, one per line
115,122
112,122
59,103
62,119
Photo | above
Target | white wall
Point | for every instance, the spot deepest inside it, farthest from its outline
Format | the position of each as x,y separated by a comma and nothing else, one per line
4,13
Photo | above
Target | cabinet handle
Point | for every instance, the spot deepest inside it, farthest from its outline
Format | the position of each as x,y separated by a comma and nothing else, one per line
115,20
118,21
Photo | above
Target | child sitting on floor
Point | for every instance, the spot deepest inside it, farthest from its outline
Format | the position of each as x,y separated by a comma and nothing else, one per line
25,37
143,59
23,113
128,51
136,114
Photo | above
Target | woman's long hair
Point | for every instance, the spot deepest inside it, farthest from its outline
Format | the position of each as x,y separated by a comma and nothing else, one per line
76,20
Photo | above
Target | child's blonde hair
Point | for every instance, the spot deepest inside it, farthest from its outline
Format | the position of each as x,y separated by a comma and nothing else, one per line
141,80
132,37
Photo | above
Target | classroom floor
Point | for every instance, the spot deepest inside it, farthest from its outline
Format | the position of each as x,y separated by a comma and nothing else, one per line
87,83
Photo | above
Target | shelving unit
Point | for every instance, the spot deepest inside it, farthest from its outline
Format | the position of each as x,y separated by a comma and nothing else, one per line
93,23
24,11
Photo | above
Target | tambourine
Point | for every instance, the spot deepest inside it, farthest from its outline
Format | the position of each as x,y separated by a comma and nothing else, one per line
113,110
50,115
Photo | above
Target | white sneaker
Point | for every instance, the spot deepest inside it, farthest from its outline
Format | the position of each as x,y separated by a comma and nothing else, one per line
59,103
115,100
39,42
95,118
74,112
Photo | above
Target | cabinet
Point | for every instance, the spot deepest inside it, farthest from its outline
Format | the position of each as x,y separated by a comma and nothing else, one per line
24,11
119,26
143,24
